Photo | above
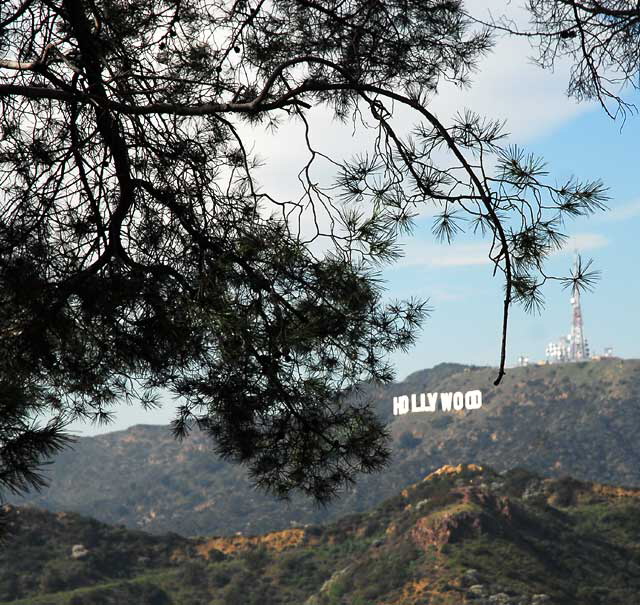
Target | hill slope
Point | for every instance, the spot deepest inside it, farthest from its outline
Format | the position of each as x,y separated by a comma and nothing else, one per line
574,419
463,535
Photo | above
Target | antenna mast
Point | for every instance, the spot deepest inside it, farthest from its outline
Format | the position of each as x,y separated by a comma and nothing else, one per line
578,349
573,347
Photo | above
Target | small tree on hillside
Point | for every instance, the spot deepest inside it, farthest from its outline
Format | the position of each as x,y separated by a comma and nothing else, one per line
138,252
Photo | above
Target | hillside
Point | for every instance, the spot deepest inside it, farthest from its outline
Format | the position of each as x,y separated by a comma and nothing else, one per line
581,420
464,534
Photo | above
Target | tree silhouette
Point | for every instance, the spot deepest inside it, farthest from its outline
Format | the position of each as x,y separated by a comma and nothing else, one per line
138,252
602,39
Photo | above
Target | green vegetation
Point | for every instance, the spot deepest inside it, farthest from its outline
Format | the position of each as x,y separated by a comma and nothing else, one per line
465,532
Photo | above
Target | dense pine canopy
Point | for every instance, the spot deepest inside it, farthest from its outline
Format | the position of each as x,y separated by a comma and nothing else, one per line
139,253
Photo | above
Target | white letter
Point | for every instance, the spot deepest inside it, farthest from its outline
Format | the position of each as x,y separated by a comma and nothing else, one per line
400,405
422,406
458,401
433,399
473,400
445,401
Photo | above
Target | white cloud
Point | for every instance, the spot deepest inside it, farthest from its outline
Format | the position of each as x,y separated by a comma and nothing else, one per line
418,254
431,255
581,242
507,86
624,212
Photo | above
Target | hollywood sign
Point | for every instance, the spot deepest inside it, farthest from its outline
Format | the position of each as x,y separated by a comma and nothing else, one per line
428,402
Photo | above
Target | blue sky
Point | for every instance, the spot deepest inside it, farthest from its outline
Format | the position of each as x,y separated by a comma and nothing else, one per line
464,326
575,139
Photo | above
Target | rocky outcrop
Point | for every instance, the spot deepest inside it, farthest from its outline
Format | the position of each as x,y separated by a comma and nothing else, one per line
78,551
275,542
449,469
434,531
477,512
317,599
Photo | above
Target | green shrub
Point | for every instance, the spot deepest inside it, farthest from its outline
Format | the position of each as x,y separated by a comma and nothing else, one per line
193,573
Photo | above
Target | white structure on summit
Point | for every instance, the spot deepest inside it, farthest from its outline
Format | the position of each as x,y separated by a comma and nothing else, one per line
428,402
573,347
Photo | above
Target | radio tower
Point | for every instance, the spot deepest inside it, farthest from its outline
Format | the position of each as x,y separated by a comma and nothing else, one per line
578,348
573,347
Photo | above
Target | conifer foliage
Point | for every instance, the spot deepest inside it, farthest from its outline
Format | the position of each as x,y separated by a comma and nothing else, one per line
138,252
600,37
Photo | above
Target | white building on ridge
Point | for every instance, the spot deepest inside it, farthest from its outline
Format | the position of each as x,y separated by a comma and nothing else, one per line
573,347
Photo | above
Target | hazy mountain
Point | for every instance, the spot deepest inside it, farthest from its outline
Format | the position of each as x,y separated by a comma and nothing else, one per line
463,535
573,419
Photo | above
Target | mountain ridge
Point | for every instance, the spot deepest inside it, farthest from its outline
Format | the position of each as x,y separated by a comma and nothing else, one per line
571,419
463,534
